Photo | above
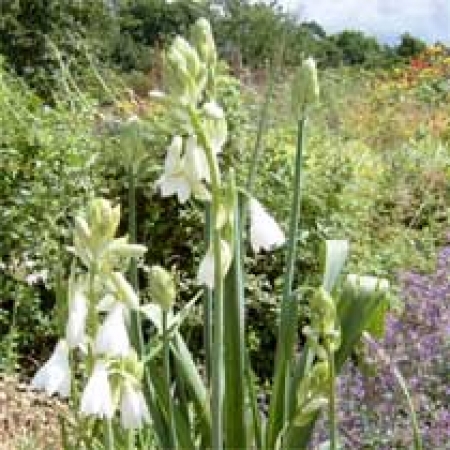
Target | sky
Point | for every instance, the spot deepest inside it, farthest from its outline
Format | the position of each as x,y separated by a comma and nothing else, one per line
385,19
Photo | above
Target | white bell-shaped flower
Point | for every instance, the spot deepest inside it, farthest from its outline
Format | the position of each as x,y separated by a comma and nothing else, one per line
206,269
96,399
133,409
112,337
195,162
213,110
78,311
265,233
173,181
54,376
216,132
184,173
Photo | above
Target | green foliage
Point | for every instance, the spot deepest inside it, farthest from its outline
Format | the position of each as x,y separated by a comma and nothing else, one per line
356,47
410,46
249,28
28,29
52,159
47,169
146,25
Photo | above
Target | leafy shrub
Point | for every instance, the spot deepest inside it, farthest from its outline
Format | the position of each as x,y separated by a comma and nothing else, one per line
29,30
48,168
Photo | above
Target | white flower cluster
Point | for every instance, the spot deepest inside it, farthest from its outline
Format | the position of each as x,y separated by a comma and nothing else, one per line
100,300
190,167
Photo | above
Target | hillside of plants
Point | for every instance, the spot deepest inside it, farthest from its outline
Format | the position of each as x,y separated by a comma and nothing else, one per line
222,228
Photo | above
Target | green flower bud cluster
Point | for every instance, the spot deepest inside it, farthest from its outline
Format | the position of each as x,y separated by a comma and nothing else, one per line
185,74
189,74
323,331
192,160
203,40
100,300
305,88
94,241
162,287
312,393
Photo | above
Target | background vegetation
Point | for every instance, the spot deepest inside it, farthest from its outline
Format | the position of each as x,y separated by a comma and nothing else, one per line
377,168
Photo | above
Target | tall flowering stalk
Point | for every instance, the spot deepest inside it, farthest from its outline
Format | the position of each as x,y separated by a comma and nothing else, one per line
192,170
97,329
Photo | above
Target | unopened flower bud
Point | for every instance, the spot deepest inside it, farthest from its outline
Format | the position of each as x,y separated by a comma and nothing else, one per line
187,56
82,231
162,287
103,218
305,88
322,304
203,40
124,290
133,366
185,74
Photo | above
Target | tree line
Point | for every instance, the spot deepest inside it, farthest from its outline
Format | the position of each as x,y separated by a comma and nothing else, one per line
36,35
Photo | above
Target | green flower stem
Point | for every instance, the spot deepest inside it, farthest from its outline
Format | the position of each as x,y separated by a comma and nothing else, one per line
217,367
132,226
109,435
136,327
207,301
170,412
279,405
332,400
130,440
136,335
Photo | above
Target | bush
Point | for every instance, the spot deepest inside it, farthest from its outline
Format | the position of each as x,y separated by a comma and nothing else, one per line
48,169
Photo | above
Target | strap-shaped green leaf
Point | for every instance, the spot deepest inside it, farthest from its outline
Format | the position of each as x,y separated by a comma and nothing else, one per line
336,252
235,414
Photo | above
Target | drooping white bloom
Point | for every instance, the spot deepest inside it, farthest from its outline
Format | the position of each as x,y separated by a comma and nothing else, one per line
265,233
54,376
206,269
173,180
213,110
78,311
112,337
195,162
96,399
217,132
184,173
133,409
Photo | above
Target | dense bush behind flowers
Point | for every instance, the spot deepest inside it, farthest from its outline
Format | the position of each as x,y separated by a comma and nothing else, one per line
418,341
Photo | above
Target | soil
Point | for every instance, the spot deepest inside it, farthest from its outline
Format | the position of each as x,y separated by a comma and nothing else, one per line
28,419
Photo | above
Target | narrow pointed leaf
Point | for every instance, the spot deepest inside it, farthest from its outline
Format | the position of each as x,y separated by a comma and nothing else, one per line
186,367
336,252
235,417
